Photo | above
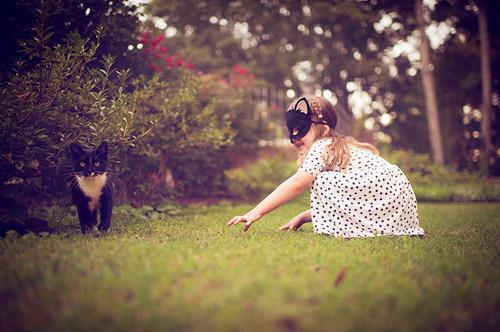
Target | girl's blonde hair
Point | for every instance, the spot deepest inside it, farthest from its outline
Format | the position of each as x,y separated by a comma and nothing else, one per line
337,154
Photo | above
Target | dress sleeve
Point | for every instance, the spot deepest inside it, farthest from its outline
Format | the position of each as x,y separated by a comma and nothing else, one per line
313,163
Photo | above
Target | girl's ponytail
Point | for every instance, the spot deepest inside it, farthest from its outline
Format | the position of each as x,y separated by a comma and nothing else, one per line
337,154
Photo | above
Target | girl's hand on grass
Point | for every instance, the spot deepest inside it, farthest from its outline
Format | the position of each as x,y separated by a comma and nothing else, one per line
296,222
293,224
248,219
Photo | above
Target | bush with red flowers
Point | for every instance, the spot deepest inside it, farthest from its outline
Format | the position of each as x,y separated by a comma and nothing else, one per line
158,57
57,98
240,77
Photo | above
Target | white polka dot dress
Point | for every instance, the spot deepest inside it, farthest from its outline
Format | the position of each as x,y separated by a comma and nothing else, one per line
370,197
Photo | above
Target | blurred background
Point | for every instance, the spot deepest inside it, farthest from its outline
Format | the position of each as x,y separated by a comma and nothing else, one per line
191,94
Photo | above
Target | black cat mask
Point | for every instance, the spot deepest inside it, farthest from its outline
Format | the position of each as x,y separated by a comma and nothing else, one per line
297,121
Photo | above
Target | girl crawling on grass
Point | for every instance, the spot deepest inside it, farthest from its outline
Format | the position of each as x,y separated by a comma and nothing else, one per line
354,191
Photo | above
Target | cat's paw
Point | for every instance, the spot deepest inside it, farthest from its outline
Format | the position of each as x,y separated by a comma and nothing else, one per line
104,230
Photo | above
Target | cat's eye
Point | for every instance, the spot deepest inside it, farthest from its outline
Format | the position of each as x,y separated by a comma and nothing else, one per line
97,163
82,163
295,131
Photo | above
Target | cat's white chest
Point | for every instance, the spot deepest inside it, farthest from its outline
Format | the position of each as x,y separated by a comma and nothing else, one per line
92,187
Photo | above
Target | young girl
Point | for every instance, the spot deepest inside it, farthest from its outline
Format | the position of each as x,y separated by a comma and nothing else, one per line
355,192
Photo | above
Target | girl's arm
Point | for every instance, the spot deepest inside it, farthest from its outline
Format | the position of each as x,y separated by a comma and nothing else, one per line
285,192
296,222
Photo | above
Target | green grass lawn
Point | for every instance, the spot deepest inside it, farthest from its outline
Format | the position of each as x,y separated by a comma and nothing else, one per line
190,272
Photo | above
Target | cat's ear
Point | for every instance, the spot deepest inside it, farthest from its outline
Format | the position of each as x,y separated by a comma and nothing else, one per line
102,149
76,151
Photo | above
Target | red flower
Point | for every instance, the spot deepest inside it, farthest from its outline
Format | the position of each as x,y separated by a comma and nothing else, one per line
144,37
180,62
163,50
155,67
190,65
157,40
242,71
236,67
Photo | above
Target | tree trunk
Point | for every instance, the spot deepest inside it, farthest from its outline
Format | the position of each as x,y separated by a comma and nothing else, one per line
486,87
429,88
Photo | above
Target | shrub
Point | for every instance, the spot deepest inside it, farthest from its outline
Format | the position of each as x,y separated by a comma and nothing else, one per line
59,94
433,182
422,170
200,172
429,181
234,106
187,128
258,178
54,98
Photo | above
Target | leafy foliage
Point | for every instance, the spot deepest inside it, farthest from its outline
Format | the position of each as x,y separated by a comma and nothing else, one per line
442,183
259,178
55,98
60,94
357,44
430,182
187,129
118,20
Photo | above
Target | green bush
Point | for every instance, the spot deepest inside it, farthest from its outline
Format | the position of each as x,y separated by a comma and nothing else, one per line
59,94
433,182
465,192
259,178
187,128
200,172
234,106
429,181
420,168
53,98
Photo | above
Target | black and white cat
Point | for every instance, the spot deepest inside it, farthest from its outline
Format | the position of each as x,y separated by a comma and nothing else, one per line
91,188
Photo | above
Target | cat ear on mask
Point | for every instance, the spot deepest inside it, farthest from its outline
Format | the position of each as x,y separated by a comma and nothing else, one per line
102,149
303,106
76,151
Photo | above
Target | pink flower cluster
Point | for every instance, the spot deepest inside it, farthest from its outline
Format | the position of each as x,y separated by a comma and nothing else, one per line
157,54
240,76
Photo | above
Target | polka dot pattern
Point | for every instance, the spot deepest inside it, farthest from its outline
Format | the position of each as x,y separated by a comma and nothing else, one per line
370,197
